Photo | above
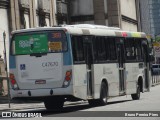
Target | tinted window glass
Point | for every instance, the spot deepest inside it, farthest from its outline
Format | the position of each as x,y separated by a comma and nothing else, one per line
130,49
138,49
110,44
77,48
99,49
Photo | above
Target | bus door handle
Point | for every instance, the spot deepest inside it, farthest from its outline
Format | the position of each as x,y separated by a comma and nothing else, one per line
88,70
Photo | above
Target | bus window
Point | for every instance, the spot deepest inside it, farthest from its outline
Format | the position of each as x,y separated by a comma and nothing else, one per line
77,49
130,49
39,42
138,48
111,48
99,49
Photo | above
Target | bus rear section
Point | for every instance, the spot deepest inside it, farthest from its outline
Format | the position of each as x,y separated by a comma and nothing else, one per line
39,67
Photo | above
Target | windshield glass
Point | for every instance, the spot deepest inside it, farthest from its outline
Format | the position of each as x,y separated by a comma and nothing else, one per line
39,42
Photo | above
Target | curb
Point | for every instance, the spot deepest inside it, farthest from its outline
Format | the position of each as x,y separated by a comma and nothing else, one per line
41,106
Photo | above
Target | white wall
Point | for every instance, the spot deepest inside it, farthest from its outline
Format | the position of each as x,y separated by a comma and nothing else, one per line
36,4
26,16
129,26
4,27
105,6
79,8
128,8
47,22
37,20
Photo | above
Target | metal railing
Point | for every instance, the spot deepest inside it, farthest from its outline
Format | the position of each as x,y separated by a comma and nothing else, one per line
155,78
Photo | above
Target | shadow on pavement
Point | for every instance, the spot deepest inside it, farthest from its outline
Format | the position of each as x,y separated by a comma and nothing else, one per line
70,110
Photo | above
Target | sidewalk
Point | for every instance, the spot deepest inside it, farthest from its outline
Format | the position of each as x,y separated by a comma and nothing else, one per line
18,105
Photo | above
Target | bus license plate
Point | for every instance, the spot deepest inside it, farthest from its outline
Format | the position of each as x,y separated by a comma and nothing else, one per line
40,82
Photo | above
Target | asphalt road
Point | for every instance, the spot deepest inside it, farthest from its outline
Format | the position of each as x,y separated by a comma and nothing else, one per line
117,107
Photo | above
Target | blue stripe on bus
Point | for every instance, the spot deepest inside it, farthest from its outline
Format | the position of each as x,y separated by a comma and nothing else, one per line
12,62
67,56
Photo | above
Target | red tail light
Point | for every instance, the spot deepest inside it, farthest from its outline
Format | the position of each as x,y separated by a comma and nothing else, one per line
12,78
68,76
13,81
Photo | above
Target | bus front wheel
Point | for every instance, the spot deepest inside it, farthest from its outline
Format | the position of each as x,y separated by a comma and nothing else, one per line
103,94
136,96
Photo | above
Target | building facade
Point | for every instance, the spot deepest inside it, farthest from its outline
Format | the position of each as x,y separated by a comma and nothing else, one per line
115,13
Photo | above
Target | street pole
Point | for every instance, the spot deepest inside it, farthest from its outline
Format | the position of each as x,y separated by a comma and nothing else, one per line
6,69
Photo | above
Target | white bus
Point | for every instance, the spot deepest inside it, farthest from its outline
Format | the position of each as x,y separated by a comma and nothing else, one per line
78,62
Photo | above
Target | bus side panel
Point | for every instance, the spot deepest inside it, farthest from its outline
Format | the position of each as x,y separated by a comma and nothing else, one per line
80,81
107,72
132,71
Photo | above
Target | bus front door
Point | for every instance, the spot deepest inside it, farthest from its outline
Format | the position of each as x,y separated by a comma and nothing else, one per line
88,49
121,67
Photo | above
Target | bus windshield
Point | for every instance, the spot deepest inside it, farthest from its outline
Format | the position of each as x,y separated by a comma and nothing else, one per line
39,42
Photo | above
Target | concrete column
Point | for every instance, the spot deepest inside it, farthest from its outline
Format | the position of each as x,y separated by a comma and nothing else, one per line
12,18
52,13
138,11
114,13
99,12
17,15
34,13
31,13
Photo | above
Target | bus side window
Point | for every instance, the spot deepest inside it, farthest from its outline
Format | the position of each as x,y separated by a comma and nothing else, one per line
130,49
138,48
100,48
110,44
77,49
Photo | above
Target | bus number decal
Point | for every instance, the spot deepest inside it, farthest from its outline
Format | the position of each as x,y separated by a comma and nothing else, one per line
56,35
49,64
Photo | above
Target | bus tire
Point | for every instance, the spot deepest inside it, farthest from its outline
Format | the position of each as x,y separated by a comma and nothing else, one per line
136,96
93,102
51,104
103,94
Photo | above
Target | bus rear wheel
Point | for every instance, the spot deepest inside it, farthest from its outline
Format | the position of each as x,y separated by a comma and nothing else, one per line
103,97
54,104
136,96
103,94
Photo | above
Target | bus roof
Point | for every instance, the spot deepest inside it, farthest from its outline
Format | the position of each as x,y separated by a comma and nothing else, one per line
87,29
